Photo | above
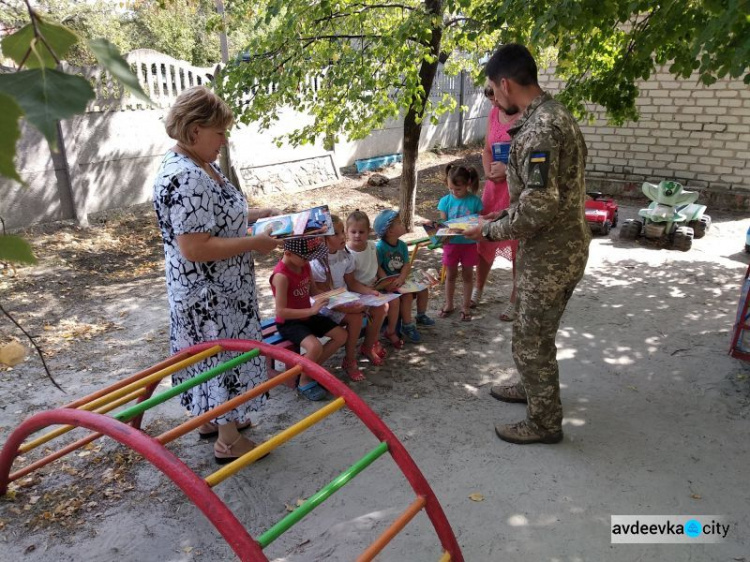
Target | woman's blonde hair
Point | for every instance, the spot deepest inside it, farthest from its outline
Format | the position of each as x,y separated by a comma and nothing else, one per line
197,106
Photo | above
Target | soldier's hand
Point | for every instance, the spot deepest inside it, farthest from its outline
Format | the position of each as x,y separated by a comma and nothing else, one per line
474,233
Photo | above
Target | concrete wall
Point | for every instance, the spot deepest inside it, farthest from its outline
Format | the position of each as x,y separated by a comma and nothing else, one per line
696,135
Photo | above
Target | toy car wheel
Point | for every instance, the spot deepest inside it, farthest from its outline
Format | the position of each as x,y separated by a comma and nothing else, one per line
683,238
614,220
700,227
605,228
631,229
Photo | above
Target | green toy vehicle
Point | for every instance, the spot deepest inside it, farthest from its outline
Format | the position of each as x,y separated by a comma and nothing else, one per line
672,215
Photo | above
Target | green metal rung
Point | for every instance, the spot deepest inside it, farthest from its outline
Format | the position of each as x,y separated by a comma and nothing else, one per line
133,411
322,495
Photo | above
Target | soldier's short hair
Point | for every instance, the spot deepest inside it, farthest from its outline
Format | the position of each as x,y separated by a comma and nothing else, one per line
514,62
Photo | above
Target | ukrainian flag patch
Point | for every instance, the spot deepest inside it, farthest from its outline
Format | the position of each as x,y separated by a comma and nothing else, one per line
538,169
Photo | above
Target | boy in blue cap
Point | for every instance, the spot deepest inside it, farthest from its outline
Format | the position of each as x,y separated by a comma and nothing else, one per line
393,259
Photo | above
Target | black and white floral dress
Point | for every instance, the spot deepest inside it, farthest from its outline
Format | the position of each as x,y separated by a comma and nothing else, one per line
208,300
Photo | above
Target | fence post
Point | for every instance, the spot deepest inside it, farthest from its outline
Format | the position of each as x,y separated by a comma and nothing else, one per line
69,203
460,110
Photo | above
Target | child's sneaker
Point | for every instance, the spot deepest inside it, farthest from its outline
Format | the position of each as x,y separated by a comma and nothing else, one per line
410,331
425,320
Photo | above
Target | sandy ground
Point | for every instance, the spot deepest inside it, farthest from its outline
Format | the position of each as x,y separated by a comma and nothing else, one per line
657,416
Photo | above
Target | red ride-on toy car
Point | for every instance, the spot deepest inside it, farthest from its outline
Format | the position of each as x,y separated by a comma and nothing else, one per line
601,213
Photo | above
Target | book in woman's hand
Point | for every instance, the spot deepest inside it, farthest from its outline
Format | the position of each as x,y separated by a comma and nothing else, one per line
310,222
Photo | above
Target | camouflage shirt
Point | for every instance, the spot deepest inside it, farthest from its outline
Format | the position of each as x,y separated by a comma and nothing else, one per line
547,195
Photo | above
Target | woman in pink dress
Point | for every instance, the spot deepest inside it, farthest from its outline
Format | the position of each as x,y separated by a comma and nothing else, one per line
495,198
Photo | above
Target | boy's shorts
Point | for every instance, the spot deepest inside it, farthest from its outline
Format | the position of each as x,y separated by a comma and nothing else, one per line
297,330
466,254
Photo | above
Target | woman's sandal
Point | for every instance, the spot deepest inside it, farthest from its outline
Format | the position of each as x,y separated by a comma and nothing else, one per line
476,296
210,429
352,371
444,313
509,314
224,454
372,354
465,316
396,341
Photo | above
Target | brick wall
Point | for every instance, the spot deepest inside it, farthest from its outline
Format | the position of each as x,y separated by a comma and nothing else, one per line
697,135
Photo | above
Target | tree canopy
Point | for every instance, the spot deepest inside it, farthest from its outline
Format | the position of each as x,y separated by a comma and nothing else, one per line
353,64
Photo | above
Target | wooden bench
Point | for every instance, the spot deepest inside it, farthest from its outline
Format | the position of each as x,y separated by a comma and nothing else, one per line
271,336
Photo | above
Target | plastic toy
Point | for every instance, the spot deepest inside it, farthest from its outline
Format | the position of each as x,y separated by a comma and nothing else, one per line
672,215
125,427
601,213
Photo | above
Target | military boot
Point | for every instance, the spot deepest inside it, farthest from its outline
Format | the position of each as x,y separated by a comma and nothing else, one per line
509,393
522,433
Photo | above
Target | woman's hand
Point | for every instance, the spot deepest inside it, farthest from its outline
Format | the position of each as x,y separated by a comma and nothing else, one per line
264,243
498,171
269,212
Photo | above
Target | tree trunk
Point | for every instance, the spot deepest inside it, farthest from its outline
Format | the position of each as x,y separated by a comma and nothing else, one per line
413,120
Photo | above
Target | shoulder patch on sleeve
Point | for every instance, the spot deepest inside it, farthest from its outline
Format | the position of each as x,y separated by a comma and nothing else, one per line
538,169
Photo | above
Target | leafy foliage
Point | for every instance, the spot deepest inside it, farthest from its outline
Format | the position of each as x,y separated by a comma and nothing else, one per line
15,249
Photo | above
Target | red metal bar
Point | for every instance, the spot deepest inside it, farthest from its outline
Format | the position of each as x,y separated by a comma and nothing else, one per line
400,455
53,456
124,382
195,488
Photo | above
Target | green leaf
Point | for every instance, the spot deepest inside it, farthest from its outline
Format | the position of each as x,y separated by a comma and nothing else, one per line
46,96
9,115
15,249
109,57
59,38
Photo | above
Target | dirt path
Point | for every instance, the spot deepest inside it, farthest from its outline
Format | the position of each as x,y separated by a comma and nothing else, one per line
657,416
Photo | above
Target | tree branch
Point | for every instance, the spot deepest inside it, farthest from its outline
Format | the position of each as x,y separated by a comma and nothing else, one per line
31,339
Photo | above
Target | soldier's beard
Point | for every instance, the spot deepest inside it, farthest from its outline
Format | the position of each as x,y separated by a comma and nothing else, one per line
512,110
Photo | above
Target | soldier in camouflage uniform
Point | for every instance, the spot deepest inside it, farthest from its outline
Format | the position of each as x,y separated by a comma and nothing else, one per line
546,214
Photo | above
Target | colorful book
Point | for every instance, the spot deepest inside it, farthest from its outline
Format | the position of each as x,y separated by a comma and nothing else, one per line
316,221
340,296
418,280
456,226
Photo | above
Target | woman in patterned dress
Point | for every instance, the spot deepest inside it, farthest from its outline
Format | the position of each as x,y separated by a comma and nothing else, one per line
210,275
495,198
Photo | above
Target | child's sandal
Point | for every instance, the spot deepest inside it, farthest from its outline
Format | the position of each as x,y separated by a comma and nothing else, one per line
372,355
396,341
352,371
380,350
465,316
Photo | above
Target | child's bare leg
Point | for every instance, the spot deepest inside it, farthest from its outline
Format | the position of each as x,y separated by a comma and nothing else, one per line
353,324
422,297
394,310
406,301
338,338
313,350
377,316
451,272
483,272
467,276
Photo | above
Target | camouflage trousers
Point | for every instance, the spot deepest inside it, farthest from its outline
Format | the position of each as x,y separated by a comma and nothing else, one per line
535,353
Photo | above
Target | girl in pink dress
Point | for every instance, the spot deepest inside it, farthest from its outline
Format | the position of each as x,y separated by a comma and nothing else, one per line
495,198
